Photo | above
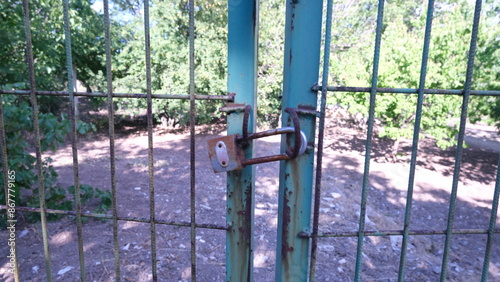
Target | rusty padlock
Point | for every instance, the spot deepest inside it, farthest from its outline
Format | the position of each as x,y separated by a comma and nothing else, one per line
226,153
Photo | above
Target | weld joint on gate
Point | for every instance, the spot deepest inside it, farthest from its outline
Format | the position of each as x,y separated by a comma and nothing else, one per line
307,234
308,112
233,108
316,87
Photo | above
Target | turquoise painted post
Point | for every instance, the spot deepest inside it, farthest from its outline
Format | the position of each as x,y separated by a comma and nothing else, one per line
301,73
242,69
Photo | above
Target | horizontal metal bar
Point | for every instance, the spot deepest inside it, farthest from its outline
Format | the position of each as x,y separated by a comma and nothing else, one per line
229,97
124,218
268,159
307,112
409,90
396,232
233,108
267,133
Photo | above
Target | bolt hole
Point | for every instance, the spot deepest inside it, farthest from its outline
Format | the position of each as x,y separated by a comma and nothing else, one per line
223,163
220,145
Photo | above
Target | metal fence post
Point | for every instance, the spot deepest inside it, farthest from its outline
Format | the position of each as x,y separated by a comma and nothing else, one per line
37,144
242,66
301,73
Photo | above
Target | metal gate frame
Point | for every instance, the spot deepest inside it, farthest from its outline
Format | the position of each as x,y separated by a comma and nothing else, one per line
374,90
301,72
302,56
110,95
243,19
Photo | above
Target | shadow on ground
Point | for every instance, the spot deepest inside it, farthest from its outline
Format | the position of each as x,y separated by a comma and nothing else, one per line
340,203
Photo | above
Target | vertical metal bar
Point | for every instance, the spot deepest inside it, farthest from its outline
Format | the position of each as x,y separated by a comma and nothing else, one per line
242,80
416,133
111,127
371,118
73,137
301,72
36,127
491,228
152,213
6,172
321,136
460,142
192,150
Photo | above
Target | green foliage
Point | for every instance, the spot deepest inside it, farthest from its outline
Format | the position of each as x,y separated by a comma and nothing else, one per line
57,198
89,193
351,64
19,134
170,59
400,60
270,64
49,54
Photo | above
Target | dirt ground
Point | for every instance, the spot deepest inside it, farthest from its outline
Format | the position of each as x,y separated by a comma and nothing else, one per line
340,200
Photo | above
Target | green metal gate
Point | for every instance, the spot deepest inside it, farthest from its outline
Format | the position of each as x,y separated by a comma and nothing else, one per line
297,241
43,211
300,176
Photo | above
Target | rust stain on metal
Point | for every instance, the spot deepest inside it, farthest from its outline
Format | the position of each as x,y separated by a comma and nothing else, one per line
288,239
285,246
234,105
245,217
244,141
298,139
241,235
248,213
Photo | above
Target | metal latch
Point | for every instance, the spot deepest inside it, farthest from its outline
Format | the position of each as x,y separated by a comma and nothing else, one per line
226,153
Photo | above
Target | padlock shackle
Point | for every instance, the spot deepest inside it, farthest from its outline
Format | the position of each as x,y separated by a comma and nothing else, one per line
267,133
298,148
246,116
268,159
282,157
298,136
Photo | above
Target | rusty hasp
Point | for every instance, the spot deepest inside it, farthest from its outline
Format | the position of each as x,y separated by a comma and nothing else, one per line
226,153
